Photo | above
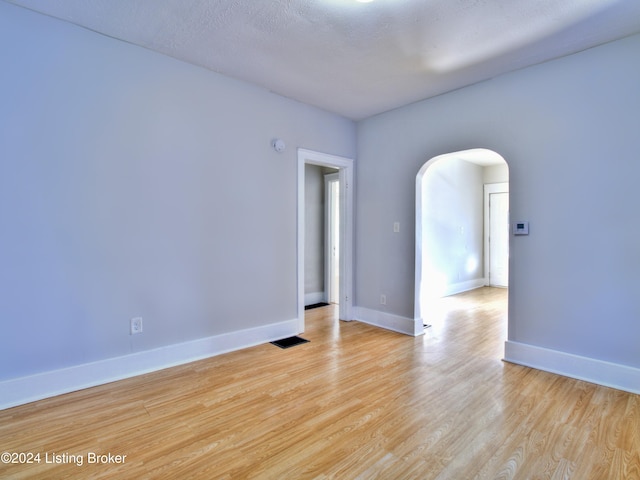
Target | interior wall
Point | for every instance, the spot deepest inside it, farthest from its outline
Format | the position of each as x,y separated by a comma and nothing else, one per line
314,288
495,173
452,227
132,184
568,130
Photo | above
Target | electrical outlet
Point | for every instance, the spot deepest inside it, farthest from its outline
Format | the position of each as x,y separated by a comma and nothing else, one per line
383,299
136,325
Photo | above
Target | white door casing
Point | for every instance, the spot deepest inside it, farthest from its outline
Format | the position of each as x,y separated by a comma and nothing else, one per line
345,168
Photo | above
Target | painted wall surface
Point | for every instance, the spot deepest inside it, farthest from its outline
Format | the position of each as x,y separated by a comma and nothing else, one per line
495,173
452,223
314,232
132,184
568,130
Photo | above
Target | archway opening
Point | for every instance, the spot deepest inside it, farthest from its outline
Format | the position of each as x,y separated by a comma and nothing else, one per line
462,227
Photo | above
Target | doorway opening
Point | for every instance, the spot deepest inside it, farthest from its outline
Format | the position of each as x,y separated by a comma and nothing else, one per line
462,227
338,190
322,236
332,237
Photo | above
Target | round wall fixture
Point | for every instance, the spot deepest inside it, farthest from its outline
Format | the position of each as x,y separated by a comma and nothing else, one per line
278,145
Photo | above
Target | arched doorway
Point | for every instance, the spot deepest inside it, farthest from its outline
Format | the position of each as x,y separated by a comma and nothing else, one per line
453,221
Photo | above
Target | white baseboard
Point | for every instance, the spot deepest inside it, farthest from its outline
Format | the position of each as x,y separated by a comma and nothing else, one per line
23,390
460,287
389,321
603,373
313,298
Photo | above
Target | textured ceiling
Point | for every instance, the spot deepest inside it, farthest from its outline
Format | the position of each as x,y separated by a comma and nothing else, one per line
356,59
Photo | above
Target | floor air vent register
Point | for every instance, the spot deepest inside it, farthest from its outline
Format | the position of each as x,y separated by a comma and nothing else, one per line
289,342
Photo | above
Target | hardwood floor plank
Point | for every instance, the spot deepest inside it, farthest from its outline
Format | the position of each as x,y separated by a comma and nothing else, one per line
356,402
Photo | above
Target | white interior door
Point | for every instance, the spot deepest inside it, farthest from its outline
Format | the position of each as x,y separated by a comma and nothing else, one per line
499,239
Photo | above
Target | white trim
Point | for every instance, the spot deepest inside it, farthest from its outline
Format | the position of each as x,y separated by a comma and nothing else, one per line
608,374
489,188
388,321
345,168
459,287
315,297
23,390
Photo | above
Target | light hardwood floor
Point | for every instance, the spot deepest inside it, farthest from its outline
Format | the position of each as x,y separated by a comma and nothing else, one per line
355,402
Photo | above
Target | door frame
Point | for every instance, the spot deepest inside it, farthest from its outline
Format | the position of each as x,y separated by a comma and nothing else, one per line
345,168
490,188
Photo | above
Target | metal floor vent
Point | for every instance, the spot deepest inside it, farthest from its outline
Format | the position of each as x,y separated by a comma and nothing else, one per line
289,342
316,305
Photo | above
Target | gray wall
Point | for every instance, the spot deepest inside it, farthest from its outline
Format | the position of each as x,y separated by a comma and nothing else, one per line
314,231
132,184
568,130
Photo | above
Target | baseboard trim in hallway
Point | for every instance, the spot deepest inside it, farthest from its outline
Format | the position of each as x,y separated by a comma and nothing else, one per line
590,370
28,389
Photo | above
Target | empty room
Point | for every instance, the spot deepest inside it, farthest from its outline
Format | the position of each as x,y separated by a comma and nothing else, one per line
470,249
